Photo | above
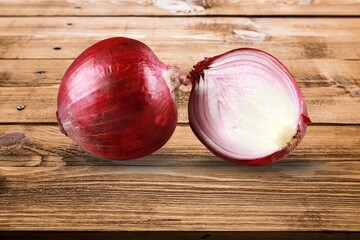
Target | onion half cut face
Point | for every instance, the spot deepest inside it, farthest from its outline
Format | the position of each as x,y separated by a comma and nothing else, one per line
246,107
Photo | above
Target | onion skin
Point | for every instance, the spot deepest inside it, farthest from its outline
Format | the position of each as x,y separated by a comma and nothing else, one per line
115,100
194,77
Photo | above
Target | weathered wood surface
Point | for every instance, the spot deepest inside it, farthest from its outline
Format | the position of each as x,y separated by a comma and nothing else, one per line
308,73
180,235
44,145
176,40
48,183
325,104
287,196
323,56
179,7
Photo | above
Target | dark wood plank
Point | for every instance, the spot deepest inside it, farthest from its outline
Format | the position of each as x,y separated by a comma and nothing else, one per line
46,183
123,198
179,235
174,8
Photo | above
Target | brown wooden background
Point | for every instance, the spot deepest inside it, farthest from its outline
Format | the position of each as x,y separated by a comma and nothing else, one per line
49,183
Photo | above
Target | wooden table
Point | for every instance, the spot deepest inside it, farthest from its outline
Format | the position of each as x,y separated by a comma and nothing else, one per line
49,183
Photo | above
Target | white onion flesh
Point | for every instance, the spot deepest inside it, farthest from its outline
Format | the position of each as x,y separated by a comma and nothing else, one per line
245,105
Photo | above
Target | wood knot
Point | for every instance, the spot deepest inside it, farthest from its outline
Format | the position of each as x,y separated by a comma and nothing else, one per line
11,139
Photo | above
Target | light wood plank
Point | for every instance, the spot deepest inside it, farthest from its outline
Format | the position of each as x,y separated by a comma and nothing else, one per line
49,183
331,88
46,146
330,56
307,72
46,183
183,39
32,73
325,105
176,7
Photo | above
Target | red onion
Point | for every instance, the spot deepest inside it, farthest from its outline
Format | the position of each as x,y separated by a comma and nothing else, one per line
246,107
116,100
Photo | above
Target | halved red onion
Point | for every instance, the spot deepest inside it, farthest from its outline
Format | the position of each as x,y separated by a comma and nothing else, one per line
116,100
246,107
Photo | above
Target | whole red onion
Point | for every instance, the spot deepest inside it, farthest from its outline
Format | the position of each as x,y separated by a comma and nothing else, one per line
246,107
116,100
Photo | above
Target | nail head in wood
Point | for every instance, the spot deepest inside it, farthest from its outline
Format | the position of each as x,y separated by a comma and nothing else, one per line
20,107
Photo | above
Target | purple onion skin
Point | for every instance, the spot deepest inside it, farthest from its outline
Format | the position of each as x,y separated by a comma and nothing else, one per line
304,120
115,102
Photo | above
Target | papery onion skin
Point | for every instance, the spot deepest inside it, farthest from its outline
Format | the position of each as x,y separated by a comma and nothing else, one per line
115,100
304,120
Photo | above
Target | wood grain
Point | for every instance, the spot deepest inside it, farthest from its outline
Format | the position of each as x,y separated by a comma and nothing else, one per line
324,197
44,145
174,8
47,183
325,62
177,40
308,73
179,235
325,104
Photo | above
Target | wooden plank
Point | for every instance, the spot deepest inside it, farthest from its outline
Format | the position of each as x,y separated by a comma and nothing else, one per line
137,198
45,146
34,73
331,89
119,198
46,183
172,7
325,104
307,72
178,235
183,39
